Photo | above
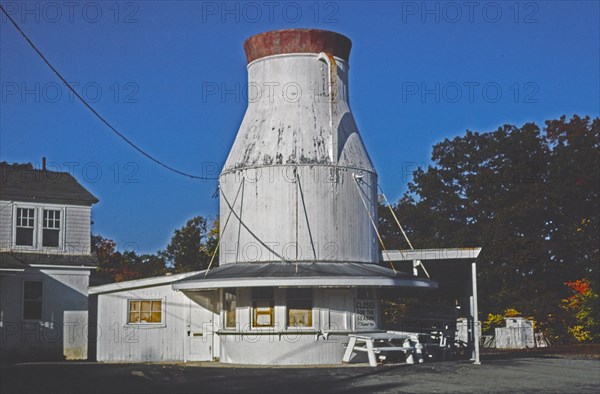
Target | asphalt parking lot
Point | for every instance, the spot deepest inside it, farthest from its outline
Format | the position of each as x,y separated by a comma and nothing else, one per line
529,373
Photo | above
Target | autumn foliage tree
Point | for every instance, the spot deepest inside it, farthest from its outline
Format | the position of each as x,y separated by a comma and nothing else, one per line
190,249
529,197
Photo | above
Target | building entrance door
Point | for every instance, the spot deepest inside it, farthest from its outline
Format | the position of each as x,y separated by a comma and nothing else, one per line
199,333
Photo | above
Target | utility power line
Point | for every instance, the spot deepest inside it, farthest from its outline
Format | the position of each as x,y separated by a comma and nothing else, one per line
98,115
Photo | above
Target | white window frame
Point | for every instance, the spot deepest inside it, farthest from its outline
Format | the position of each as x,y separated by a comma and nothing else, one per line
273,311
23,299
163,305
38,226
61,222
35,226
312,313
224,311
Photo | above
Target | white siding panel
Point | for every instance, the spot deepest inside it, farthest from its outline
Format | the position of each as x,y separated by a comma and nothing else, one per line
6,223
118,341
78,228
59,334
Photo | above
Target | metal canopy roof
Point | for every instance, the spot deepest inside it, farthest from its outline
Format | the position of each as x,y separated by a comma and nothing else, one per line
431,254
308,275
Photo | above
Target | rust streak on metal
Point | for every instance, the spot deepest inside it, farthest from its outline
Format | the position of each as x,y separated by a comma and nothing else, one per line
297,41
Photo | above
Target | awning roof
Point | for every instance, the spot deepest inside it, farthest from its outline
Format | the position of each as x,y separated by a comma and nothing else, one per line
282,274
21,261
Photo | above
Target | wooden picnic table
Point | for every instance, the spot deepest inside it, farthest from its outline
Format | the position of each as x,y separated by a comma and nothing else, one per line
391,341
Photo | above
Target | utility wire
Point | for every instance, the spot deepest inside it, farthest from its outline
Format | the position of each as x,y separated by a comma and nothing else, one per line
260,241
395,217
223,229
360,194
102,119
417,262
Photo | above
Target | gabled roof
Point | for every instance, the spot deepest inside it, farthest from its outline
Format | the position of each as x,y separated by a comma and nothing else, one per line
139,283
16,260
22,182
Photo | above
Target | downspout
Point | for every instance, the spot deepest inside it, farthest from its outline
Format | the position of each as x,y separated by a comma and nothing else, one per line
330,61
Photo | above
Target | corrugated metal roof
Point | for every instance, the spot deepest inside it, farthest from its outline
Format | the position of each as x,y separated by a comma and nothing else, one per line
308,274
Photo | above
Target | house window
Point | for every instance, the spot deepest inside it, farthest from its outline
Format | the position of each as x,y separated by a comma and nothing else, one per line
365,293
229,305
299,307
263,307
145,311
32,299
25,226
51,229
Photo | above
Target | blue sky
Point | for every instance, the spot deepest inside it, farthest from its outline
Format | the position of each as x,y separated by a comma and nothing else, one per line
420,72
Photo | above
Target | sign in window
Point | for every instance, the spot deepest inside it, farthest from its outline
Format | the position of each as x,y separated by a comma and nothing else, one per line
263,307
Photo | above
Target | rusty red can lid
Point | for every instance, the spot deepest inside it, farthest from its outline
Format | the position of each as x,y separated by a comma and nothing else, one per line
278,42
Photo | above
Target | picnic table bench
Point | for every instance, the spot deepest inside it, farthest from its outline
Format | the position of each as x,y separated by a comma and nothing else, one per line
391,341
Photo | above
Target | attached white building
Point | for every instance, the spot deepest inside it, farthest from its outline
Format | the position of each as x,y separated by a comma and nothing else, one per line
45,263
145,320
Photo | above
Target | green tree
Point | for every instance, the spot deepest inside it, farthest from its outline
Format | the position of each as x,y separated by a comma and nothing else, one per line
116,266
191,246
529,198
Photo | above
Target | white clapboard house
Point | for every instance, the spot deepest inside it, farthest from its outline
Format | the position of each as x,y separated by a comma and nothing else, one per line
45,263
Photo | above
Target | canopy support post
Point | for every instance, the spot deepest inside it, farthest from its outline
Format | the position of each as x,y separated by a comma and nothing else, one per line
475,315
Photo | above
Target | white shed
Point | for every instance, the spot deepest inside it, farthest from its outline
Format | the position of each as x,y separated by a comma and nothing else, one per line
146,320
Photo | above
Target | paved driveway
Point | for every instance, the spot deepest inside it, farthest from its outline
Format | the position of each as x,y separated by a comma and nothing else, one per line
539,373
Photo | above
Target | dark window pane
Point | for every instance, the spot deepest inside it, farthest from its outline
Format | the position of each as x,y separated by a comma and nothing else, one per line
365,293
299,293
262,293
32,300
51,219
32,290
50,238
24,236
32,310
